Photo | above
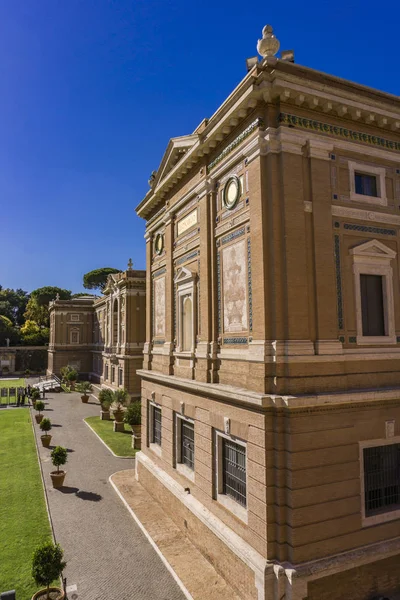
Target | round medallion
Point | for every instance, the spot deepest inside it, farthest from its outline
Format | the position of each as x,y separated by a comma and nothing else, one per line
159,243
231,192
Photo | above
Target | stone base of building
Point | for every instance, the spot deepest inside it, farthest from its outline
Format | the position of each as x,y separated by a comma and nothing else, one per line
361,574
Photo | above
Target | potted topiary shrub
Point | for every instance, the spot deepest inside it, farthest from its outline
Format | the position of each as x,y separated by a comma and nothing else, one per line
35,395
45,426
39,406
47,566
59,457
84,387
133,417
72,376
120,398
106,398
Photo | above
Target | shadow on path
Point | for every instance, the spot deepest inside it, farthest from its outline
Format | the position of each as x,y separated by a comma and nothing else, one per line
91,496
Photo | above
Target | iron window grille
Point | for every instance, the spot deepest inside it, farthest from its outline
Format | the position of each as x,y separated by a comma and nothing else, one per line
187,443
120,377
234,471
156,425
381,479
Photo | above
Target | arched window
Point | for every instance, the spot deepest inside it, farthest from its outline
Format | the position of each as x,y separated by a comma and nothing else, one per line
187,324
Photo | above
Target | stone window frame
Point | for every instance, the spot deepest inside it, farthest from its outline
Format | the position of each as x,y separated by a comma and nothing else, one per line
373,258
75,317
241,512
156,448
180,467
186,287
74,331
378,172
383,517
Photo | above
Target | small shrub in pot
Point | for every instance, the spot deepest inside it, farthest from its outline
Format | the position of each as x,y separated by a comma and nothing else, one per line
45,426
133,416
47,565
39,407
59,457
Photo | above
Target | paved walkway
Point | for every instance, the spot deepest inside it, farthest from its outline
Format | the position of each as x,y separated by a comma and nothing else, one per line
108,557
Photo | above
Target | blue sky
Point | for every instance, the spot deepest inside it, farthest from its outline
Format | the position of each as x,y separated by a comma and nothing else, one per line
92,90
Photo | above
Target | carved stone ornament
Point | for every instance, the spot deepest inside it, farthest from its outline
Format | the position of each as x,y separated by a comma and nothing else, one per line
269,45
152,178
227,425
231,192
159,243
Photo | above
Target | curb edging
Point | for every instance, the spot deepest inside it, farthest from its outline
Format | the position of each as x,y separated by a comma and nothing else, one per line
106,445
173,573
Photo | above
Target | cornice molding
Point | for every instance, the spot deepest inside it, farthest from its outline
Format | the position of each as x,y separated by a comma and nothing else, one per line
364,215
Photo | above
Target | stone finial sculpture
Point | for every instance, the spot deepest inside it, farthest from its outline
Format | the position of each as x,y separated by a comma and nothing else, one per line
268,45
152,178
57,296
130,264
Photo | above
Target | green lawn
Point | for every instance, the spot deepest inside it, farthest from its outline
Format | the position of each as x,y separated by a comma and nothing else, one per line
24,522
12,383
119,443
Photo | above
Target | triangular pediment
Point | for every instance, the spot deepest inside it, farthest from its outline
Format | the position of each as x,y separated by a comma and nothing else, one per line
184,274
373,248
176,149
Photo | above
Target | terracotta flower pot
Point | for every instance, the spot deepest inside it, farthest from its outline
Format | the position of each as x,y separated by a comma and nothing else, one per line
85,399
57,478
136,429
46,439
42,594
38,419
118,415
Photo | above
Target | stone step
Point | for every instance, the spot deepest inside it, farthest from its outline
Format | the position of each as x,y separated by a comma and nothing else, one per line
191,569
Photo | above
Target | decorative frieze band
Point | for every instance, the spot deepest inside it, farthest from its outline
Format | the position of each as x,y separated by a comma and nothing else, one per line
233,235
186,257
257,123
343,132
367,229
236,340
159,272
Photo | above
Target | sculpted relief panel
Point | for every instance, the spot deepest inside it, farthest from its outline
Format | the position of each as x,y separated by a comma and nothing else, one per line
235,288
159,307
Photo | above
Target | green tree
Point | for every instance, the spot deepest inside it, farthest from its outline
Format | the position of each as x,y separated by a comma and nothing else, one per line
8,331
83,294
97,279
37,308
13,304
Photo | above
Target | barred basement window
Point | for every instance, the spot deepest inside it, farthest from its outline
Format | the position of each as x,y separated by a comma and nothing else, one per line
106,372
120,376
234,471
112,374
156,426
381,479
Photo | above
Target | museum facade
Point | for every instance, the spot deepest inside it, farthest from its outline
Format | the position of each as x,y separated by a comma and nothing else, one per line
102,338
271,377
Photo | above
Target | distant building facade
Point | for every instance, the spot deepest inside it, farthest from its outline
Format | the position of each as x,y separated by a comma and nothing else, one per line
102,338
271,379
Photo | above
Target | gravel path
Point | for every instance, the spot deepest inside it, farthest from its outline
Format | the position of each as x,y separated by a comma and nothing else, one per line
108,557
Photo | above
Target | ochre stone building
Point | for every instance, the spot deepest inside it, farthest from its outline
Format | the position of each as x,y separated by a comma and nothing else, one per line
102,338
271,379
